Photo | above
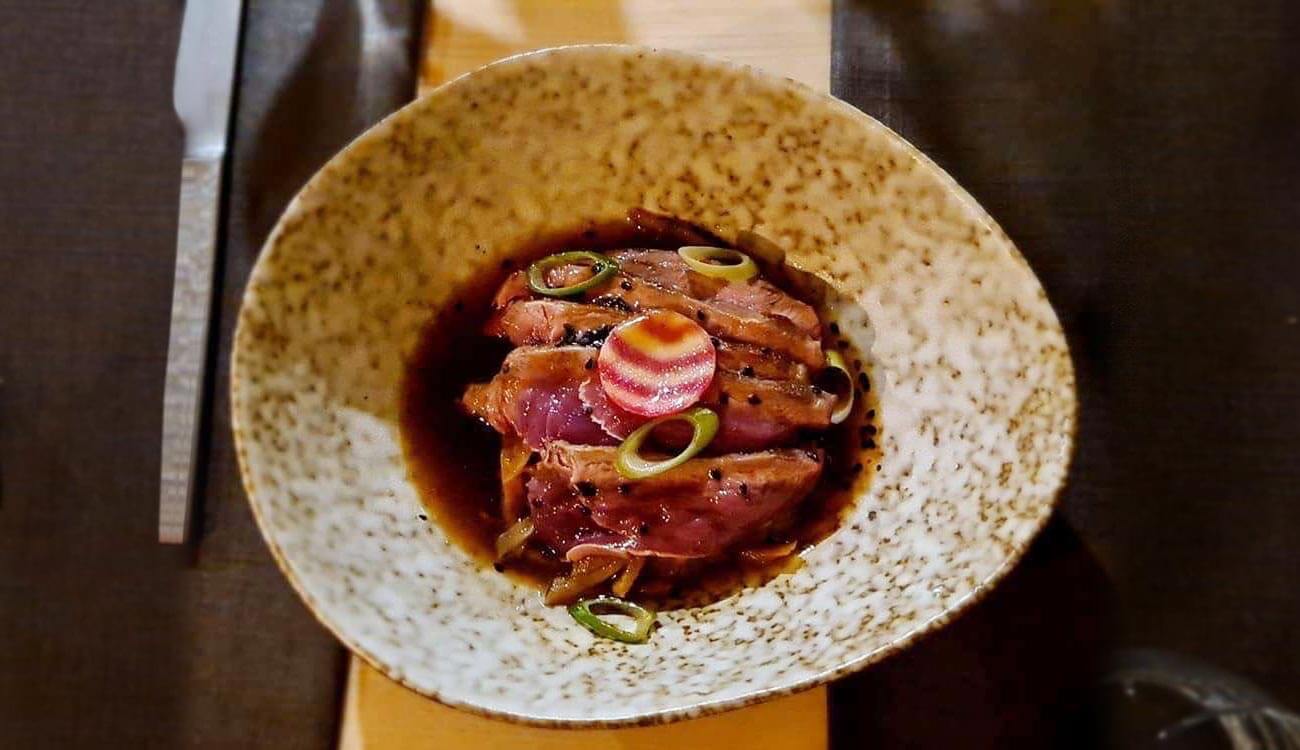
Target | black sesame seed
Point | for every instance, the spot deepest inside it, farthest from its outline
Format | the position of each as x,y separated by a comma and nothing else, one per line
871,413
717,342
590,364
857,468
869,429
754,399
835,328
624,488
701,316
533,458
744,489
586,489
498,567
715,473
724,397
747,371
644,528
422,517
868,444
626,286
863,383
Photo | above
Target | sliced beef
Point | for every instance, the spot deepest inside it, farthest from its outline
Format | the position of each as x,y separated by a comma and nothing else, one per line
560,521
699,509
753,312
531,322
667,269
724,321
553,393
535,396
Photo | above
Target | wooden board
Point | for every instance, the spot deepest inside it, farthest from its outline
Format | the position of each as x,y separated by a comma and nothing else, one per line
787,37
379,714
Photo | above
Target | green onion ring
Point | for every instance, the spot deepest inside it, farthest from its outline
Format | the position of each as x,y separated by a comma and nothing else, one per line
602,267
836,361
738,266
632,466
585,612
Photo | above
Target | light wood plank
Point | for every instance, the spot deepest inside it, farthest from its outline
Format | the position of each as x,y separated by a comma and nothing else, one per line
379,714
787,37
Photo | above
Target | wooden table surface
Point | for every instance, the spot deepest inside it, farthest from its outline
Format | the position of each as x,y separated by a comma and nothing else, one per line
1144,156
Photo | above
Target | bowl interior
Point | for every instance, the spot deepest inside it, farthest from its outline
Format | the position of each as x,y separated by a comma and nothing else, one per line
973,376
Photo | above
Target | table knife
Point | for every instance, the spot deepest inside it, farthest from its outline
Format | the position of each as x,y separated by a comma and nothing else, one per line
205,75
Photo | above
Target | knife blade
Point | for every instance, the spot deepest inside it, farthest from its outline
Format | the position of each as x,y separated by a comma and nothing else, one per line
201,94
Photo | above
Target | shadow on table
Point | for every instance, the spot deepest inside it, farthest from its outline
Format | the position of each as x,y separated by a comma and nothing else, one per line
1016,670
357,68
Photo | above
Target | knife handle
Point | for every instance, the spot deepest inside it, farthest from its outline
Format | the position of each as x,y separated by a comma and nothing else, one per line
187,345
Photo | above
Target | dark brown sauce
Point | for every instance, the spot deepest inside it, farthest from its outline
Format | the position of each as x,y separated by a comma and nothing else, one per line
454,459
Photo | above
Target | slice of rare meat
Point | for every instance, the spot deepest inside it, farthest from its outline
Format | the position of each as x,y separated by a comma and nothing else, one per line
700,509
531,322
753,312
553,393
536,397
560,521
667,269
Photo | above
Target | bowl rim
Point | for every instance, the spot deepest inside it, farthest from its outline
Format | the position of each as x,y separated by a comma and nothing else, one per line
697,709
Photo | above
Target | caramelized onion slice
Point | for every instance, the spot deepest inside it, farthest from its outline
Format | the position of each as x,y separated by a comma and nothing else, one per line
627,579
585,575
513,539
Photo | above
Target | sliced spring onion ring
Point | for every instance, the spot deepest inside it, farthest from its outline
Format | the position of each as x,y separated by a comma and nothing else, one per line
602,268
835,361
588,611
632,466
514,538
719,262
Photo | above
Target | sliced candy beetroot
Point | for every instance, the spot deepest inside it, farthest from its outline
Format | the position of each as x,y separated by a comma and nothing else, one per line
656,364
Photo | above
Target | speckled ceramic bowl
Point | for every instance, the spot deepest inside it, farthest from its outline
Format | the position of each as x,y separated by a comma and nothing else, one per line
975,384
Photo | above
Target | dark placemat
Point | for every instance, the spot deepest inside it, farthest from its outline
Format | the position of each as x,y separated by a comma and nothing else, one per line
1145,157
108,639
